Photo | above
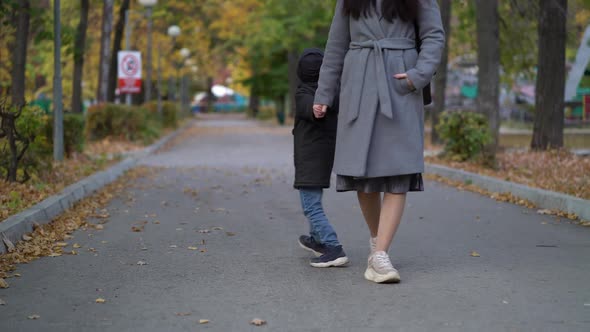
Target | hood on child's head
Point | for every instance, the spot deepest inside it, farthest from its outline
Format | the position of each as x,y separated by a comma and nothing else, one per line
308,68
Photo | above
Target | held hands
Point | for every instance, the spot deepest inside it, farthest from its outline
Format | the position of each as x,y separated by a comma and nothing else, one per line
319,111
404,76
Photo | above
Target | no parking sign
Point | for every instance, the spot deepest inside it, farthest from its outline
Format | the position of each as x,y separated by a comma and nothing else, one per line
129,72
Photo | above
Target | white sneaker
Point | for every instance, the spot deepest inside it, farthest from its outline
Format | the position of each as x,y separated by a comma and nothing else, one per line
373,244
380,269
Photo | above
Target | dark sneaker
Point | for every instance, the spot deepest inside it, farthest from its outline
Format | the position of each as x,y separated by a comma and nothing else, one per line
308,243
333,256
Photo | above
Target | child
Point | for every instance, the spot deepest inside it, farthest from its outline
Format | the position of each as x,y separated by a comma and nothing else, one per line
315,141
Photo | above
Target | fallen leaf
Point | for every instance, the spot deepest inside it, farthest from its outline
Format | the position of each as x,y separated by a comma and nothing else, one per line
2,302
27,237
203,321
203,250
585,223
157,222
18,275
217,228
76,246
68,237
141,263
137,229
230,233
144,248
99,227
192,248
100,300
3,283
474,254
258,322
173,246
183,314
33,316
203,231
61,244
54,254
9,245
545,211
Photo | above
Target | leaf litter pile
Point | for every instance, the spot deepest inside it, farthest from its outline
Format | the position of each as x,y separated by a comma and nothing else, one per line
50,240
15,197
557,170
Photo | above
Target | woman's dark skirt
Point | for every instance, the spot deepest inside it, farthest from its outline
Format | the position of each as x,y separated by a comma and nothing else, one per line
399,184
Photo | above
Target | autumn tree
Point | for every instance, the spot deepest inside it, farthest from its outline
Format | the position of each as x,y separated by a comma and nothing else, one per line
119,31
440,80
488,60
21,17
549,97
79,52
107,27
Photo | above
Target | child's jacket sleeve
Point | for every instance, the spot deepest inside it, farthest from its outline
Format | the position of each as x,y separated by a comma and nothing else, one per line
304,106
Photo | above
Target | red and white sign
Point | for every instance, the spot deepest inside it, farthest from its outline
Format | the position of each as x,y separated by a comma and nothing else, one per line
129,72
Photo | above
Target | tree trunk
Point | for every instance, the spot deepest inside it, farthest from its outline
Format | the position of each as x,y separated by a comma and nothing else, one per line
488,60
293,80
549,95
254,103
105,44
22,17
440,80
79,51
119,30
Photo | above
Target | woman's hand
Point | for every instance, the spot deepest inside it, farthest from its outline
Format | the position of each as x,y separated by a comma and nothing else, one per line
405,76
319,111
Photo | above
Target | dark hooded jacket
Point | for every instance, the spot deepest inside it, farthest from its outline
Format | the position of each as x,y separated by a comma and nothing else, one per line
314,139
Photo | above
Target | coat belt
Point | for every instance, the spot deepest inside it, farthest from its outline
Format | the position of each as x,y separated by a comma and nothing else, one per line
383,89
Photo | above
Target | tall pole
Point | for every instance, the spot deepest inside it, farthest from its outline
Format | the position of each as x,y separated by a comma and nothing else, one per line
58,130
148,85
127,47
159,79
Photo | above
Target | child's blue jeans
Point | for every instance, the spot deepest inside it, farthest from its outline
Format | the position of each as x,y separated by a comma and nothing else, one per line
320,228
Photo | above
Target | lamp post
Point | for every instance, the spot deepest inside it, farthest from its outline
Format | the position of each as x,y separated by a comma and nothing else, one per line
58,130
184,53
148,4
173,32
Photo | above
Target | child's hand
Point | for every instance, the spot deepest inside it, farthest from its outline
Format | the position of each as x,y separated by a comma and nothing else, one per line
319,111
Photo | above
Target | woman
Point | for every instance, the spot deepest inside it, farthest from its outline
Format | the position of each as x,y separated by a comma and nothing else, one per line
371,52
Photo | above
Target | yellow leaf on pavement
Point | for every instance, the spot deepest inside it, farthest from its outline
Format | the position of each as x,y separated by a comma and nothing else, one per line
258,322
203,321
100,300
3,283
474,254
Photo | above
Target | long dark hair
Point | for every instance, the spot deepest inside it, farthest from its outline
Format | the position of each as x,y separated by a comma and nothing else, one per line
406,10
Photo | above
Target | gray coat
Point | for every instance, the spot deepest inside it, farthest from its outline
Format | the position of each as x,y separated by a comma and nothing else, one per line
381,121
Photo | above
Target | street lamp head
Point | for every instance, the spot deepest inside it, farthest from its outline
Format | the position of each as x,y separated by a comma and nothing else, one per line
148,3
184,52
173,31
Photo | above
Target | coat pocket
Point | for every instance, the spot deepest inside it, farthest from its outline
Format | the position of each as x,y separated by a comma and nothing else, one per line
397,66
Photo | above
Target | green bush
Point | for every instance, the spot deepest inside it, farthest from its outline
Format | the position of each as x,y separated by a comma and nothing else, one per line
38,154
170,113
133,123
464,134
73,132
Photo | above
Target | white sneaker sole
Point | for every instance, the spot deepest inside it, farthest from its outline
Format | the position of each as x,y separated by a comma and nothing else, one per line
372,275
341,261
317,254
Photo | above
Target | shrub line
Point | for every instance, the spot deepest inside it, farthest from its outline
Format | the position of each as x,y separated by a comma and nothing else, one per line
14,227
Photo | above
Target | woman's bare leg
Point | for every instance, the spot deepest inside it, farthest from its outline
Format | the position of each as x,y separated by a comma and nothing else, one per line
371,206
389,220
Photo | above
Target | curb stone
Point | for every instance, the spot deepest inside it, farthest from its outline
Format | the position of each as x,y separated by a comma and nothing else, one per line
15,226
542,198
